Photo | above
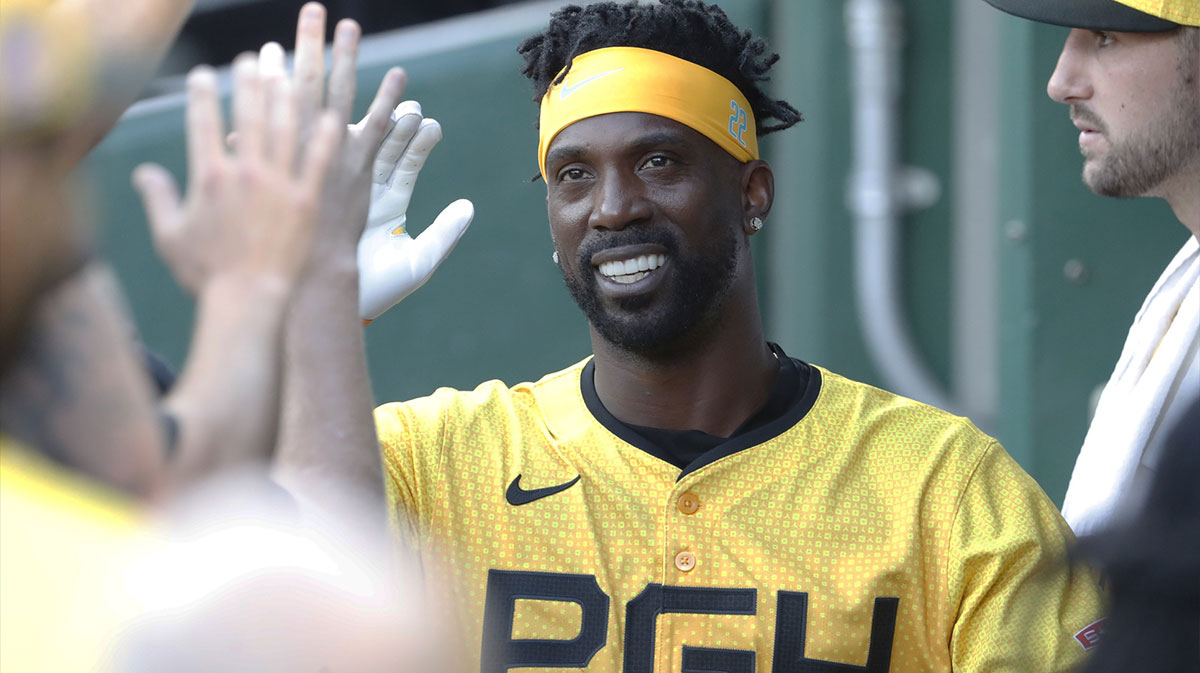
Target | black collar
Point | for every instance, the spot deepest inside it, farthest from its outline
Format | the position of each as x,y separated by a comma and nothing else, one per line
792,395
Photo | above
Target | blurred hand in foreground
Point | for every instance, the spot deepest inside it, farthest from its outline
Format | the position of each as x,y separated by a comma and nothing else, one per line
239,241
252,212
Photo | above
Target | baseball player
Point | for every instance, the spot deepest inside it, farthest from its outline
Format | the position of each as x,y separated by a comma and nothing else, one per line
690,497
1130,72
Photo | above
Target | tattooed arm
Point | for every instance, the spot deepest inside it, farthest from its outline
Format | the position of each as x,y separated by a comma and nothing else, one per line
77,390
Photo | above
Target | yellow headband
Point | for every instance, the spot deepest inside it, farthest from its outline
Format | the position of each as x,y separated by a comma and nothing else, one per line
630,79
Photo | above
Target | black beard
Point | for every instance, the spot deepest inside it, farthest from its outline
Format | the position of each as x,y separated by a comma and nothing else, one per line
698,288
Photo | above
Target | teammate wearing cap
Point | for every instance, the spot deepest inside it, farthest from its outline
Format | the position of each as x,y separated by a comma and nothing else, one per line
1130,72
691,498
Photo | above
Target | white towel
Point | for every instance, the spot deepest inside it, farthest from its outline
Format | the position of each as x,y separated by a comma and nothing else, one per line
1157,375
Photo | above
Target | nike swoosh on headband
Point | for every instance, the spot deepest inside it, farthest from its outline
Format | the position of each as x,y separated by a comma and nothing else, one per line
518,496
568,90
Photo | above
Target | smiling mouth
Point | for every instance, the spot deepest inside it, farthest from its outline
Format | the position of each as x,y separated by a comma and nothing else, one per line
631,270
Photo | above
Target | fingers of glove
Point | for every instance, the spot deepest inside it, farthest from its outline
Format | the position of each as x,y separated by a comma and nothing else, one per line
272,62
435,243
248,109
407,116
160,198
342,74
379,116
203,121
427,137
310,61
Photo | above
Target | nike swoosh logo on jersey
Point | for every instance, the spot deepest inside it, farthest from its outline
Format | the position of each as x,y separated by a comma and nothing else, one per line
518,496
568,90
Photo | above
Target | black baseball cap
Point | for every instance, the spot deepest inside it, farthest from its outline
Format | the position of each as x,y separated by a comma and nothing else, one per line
1091,14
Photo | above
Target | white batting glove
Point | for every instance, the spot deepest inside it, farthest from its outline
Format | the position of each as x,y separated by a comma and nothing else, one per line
392,264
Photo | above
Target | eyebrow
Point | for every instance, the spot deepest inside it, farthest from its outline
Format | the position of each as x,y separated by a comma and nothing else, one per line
569,153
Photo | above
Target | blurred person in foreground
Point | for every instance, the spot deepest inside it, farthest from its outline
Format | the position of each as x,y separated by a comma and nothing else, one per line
1152,563
1130,74
690,498
219,578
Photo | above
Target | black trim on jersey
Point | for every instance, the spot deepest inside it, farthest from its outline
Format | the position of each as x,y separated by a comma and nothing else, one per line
801,403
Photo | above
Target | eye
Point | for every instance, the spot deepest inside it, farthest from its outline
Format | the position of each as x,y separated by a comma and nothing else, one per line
658,161
571,174
1103,38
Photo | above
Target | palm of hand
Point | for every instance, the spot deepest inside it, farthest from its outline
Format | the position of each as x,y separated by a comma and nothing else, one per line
391,263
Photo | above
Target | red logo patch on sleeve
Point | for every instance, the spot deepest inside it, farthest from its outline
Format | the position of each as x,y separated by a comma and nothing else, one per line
1089,636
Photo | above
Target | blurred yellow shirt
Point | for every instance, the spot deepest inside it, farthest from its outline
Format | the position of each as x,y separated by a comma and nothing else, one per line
65,547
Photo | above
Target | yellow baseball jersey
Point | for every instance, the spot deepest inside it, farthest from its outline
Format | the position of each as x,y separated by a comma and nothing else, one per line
861,531
65,547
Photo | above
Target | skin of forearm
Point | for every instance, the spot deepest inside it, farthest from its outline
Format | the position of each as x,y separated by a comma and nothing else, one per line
79,391
328,452
226,400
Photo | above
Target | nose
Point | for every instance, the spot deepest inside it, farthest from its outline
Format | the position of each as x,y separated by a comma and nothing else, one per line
1069,81
618,200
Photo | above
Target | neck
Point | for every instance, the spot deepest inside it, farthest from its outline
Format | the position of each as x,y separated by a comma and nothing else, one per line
1182,192
713,385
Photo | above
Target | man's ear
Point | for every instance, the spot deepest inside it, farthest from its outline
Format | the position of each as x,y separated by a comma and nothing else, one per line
758,194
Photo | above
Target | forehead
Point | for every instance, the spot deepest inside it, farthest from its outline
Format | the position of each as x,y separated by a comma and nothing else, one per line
619,131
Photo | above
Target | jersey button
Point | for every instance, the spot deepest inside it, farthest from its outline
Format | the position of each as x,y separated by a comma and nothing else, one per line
685,561
688,503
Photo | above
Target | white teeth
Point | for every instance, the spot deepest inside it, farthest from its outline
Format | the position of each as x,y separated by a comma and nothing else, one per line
632,270
626,279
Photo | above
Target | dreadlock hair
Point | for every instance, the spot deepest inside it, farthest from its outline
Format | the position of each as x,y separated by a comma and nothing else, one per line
688,29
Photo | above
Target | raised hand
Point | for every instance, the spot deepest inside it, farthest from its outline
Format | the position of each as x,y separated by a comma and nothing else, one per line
239,241
347,193
392,264
250,212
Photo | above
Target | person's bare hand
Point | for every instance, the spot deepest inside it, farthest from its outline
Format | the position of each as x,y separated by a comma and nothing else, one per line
348,189
254,210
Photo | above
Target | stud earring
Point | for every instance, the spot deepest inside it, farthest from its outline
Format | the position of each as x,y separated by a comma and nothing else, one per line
554,257
756,224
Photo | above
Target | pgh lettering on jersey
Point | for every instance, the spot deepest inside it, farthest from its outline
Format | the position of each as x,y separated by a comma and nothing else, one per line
859,532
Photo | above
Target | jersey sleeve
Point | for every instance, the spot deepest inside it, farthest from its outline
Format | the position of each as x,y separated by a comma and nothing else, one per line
402,428
1023,607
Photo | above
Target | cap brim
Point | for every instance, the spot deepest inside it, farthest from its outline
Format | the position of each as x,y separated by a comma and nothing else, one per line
1089,14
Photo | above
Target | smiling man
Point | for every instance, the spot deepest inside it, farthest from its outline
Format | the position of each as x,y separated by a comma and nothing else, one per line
1130,72
690,497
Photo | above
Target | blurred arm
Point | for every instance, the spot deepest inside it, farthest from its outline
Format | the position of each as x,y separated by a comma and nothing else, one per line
239,242
78,391
328,454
